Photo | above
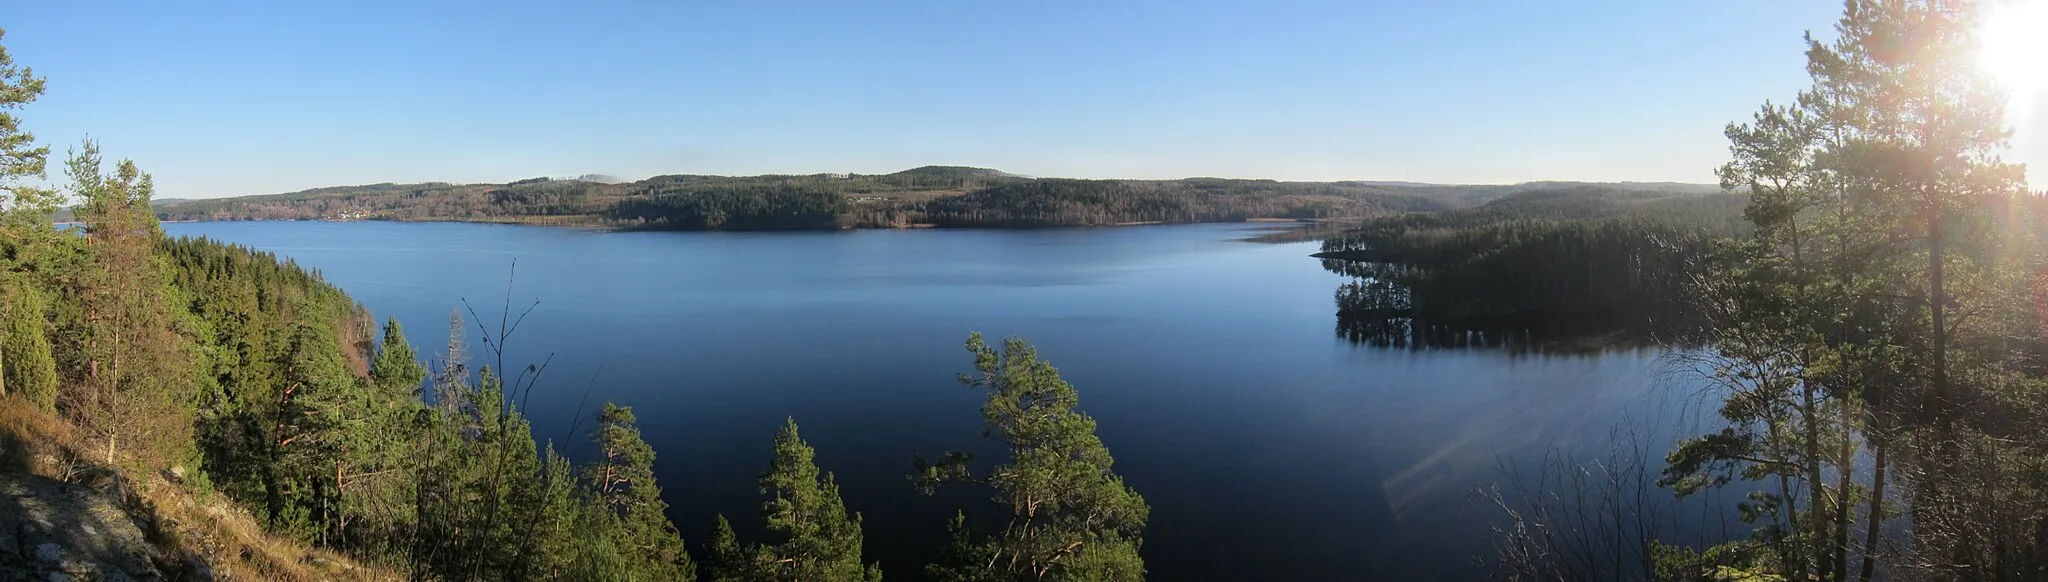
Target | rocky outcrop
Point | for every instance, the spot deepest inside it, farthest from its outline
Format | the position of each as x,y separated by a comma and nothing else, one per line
55,531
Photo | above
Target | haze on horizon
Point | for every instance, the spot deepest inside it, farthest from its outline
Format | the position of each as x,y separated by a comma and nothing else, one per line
240,97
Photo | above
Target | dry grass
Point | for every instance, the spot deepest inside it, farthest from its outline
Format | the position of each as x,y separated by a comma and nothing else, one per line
34,441
187,527
235,545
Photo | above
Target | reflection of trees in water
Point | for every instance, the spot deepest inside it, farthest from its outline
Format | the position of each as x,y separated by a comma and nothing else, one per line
1375,308
1521,283
1373,311
1377,312
1364,269
1583,300
1378,308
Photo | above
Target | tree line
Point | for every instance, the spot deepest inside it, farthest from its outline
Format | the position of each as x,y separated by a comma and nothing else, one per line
240,374
942,196
964,197
1061,202
732,208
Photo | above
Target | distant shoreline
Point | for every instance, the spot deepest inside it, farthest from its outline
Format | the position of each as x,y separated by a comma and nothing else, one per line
1276,223
924,197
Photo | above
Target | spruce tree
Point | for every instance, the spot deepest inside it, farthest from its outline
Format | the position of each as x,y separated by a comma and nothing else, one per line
25,351
396,369
811,536
729,562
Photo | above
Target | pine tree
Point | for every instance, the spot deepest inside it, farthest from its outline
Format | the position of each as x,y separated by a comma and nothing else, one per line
19,156
134,374
31,242
312,426
1859,315
623,482
597,554
1070,517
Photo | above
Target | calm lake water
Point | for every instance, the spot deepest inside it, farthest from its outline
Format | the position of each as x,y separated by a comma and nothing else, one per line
1268,447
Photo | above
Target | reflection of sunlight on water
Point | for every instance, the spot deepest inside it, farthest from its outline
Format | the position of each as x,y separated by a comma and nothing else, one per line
1431,475
1446,436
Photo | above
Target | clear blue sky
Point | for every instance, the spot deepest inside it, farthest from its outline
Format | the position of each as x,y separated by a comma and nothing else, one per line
231,98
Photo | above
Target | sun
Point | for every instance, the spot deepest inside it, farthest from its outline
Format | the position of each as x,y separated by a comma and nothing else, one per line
2013,46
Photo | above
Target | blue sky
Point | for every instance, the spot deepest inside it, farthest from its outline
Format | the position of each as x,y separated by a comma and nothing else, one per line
232,98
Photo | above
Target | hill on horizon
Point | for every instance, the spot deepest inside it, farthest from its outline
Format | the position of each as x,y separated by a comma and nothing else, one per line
949,196
975,171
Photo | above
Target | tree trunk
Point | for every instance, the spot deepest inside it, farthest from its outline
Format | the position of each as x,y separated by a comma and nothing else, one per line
1819,560
1937,304
1942,407
1790,555
1845,476
1876,512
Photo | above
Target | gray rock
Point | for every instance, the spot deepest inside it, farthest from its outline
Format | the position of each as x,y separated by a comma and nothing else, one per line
50,553
10,541
76,533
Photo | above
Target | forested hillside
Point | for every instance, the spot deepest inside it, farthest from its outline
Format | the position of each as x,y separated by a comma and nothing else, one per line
946,196
657,201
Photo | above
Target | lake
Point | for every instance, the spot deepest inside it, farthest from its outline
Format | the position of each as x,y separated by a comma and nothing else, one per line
1267,446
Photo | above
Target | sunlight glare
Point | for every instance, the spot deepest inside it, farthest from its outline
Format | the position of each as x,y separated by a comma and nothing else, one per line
2014,46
